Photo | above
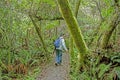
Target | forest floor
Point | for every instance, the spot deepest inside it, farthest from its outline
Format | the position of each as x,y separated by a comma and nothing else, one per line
53,72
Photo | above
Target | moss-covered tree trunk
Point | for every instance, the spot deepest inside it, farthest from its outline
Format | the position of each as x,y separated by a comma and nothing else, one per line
108,33
71,40
39,34
73,28
77,8
115,20
95,34
114,36
71,46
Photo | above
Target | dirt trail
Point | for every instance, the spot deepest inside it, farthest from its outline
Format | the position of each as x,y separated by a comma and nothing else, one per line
52,72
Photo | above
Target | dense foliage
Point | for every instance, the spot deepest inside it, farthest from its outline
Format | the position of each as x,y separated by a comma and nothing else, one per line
29,27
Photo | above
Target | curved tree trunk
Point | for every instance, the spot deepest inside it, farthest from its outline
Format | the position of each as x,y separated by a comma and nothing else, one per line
39,34
73,28
71,40
112,25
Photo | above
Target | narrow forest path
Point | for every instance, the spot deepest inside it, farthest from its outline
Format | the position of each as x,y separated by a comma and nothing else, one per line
52,72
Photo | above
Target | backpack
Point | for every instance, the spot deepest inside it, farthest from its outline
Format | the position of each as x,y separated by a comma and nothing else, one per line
57,43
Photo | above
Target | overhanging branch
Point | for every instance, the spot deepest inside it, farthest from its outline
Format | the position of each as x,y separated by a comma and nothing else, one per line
55,18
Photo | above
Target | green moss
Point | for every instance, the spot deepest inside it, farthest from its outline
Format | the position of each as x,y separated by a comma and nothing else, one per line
73,26
111,27
71,46
75,32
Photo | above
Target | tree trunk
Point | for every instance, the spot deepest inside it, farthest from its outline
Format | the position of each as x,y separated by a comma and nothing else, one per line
71,46
95,34
112,25
108,33
73,28
71,40
77,8
39,34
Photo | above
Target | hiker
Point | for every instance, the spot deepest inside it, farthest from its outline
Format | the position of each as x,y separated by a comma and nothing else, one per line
59,47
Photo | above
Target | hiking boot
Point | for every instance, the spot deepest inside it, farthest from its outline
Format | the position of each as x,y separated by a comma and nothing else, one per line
56,64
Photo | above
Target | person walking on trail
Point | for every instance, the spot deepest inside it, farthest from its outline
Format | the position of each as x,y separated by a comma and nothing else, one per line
59,47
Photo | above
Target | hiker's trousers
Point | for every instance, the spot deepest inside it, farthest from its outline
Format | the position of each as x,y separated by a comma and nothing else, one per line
58,56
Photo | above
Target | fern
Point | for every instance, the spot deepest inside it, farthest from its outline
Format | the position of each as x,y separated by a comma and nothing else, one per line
103,68
117,60
117,71
34,62
32,76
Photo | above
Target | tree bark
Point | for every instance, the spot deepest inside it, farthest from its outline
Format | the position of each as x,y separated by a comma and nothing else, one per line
77,7
73,28
51,19
112,25
39,34
71,46
71,40
95,34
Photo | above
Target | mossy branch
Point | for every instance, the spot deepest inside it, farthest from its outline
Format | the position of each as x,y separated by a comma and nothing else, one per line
73,26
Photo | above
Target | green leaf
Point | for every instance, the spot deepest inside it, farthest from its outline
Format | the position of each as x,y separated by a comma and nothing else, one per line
103,68
117,71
